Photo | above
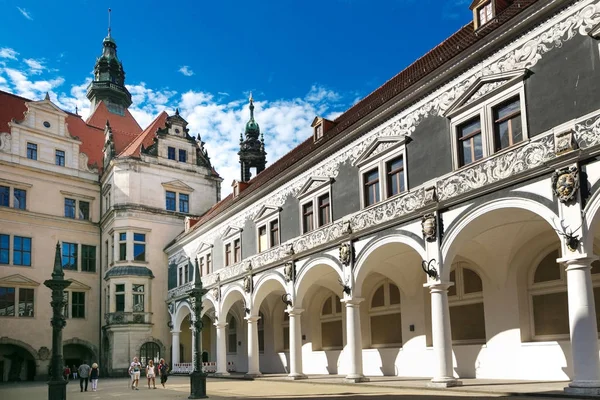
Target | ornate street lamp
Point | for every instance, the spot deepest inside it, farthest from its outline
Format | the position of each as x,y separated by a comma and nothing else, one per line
197,377
57,386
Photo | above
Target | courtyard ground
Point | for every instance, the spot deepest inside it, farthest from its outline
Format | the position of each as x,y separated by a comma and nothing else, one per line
275,387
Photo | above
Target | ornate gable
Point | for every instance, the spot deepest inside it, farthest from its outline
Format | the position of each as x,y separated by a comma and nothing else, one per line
178,186
266,211
483,88
379,146
18,280
231,231
46,117
203,247
313,183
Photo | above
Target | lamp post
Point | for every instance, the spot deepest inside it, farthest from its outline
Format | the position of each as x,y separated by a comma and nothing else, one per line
57,386
197,377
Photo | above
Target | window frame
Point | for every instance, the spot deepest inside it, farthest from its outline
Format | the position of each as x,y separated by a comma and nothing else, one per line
23,251
33,151
5,249
266,219
135,242
58,157
462,299
333,317
169,148
187,202
231,235
69,256
312,197
122,293
386,309
181,152
72,305
85,260
168,199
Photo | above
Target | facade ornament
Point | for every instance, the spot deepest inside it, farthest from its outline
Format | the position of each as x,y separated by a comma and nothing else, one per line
564,142
248,286
43,353
430,195
290,250
5,142
216,292
289,271
248,266
347,228
429,227
565,183
346,253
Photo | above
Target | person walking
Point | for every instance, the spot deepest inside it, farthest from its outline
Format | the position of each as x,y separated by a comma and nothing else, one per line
74,371
84,373
151,373
94,373
134,370
163,370
67,373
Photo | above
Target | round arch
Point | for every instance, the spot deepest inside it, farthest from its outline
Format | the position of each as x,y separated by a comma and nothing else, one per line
453,240
80,342
361,271
15,342
311,272
233,293
208,302
592,219
183,310
265,285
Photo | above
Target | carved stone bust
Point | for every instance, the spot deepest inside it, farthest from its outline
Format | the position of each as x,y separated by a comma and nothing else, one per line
248,283
289,271
429,227
565,183
346,253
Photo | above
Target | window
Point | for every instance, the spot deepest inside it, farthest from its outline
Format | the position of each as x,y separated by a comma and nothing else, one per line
84,210
26,304
4,196
470,148
307,217
184,203
232,336
371,187
60,158
139,247
202,266
182,155
22,251
180,273
331,323
318,131
120,298
385,317
208,263
32,151
69,256
267,228
7,301
237,250
508,128
77,305
4,249
171,199
171,153
88,258
122,246
186,273
232,246
485,13
465,298
150,351
324,212
20,199
228,254
70,208
138,298
262,238
274,226
394,170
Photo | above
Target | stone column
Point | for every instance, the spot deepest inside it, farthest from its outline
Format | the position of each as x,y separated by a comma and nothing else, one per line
221,348
295,344
583,328
253,356
354,345
175,343
442,335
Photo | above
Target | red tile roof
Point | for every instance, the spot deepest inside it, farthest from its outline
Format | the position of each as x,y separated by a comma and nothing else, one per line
146,138
124,127
92,139
455,45
12,107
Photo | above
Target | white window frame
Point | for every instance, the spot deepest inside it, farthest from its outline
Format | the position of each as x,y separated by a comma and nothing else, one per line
386,309
312,196
231,235
333,317
65,157
484,108
78,197
462,299
69,303
12,185
265,217
380,162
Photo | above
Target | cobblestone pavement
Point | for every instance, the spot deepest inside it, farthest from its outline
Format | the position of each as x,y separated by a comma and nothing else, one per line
178,388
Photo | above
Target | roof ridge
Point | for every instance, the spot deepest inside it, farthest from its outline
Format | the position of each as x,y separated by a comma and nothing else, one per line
142,135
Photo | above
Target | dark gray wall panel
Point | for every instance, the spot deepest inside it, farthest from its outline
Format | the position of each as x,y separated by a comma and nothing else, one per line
345,191
429,155
249,239
217,254
289,219
567,77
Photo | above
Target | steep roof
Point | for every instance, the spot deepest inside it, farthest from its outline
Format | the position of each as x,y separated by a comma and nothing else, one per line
92,139
124,127
146,138
453,46
13,107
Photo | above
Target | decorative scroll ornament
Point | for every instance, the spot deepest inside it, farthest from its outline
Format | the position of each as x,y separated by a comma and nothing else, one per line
248,286
43,353
564,142
429,227
565,183
346,253
289,271
430,195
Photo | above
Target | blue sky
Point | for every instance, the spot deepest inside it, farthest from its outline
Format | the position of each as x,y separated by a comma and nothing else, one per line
299,58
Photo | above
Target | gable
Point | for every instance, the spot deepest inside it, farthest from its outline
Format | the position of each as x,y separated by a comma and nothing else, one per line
266,211
76,285
313,183
230,231
177,185
18,280
380,146
203,247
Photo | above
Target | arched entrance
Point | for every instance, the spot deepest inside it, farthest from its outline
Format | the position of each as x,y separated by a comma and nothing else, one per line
150,351
17,364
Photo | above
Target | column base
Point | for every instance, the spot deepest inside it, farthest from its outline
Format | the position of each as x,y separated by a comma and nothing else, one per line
295,377
356,379
583,388
221,374
197,385
444,382
252,375
57,390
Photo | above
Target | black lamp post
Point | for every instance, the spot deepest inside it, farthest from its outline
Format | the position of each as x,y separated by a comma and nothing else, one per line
57,386
197,377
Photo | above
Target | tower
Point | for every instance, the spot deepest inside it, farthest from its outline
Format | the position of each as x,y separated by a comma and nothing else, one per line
252,149
109,78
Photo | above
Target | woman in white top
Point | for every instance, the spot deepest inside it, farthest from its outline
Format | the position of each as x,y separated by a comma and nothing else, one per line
151,374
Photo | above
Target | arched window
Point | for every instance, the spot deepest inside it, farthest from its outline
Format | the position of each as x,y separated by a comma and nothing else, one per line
232,335
286,331
385,317
332,336
465,298
149,351
548,297
261,332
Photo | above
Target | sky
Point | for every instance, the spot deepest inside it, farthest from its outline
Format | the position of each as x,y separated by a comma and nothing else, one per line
298,58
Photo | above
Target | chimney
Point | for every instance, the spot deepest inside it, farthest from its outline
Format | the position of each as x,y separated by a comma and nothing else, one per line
238,187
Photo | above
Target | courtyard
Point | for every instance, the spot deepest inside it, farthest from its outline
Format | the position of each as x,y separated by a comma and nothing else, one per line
278,388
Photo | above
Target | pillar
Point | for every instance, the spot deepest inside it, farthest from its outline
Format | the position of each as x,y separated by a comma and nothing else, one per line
253,356
175,344
354,345
442,336
295,344
221,348
582,327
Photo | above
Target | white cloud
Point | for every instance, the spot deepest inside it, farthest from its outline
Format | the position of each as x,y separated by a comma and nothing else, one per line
6,52
25,13
186,71
35,67
31,89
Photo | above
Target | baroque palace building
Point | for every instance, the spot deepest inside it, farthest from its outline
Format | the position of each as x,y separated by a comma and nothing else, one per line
446,226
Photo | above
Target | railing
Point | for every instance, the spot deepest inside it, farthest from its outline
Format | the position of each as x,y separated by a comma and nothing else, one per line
123,318
106,84
207,367
180,290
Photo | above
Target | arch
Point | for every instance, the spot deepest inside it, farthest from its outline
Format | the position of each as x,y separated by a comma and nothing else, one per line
311,269
76,341
451,242
163,349
265,285
15,342
361,272
183,310
592,219
230,296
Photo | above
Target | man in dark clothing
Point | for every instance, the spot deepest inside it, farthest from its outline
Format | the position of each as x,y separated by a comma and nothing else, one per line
84,373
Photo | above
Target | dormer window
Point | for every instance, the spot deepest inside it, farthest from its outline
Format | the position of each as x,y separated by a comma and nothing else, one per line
321,126
484,13
318,132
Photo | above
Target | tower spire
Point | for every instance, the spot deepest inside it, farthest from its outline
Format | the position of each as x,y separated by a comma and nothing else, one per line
252,151
109,11
251,107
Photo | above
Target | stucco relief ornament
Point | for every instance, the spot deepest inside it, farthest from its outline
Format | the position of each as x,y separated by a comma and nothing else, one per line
216,292
346,253
248,283
43,353
289,271
429,227
565,183
5,142
564,142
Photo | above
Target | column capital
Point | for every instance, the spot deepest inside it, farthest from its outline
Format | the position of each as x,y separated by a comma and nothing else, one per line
438,287
220,325
175,333
252,319
293,312
353,302
577,261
